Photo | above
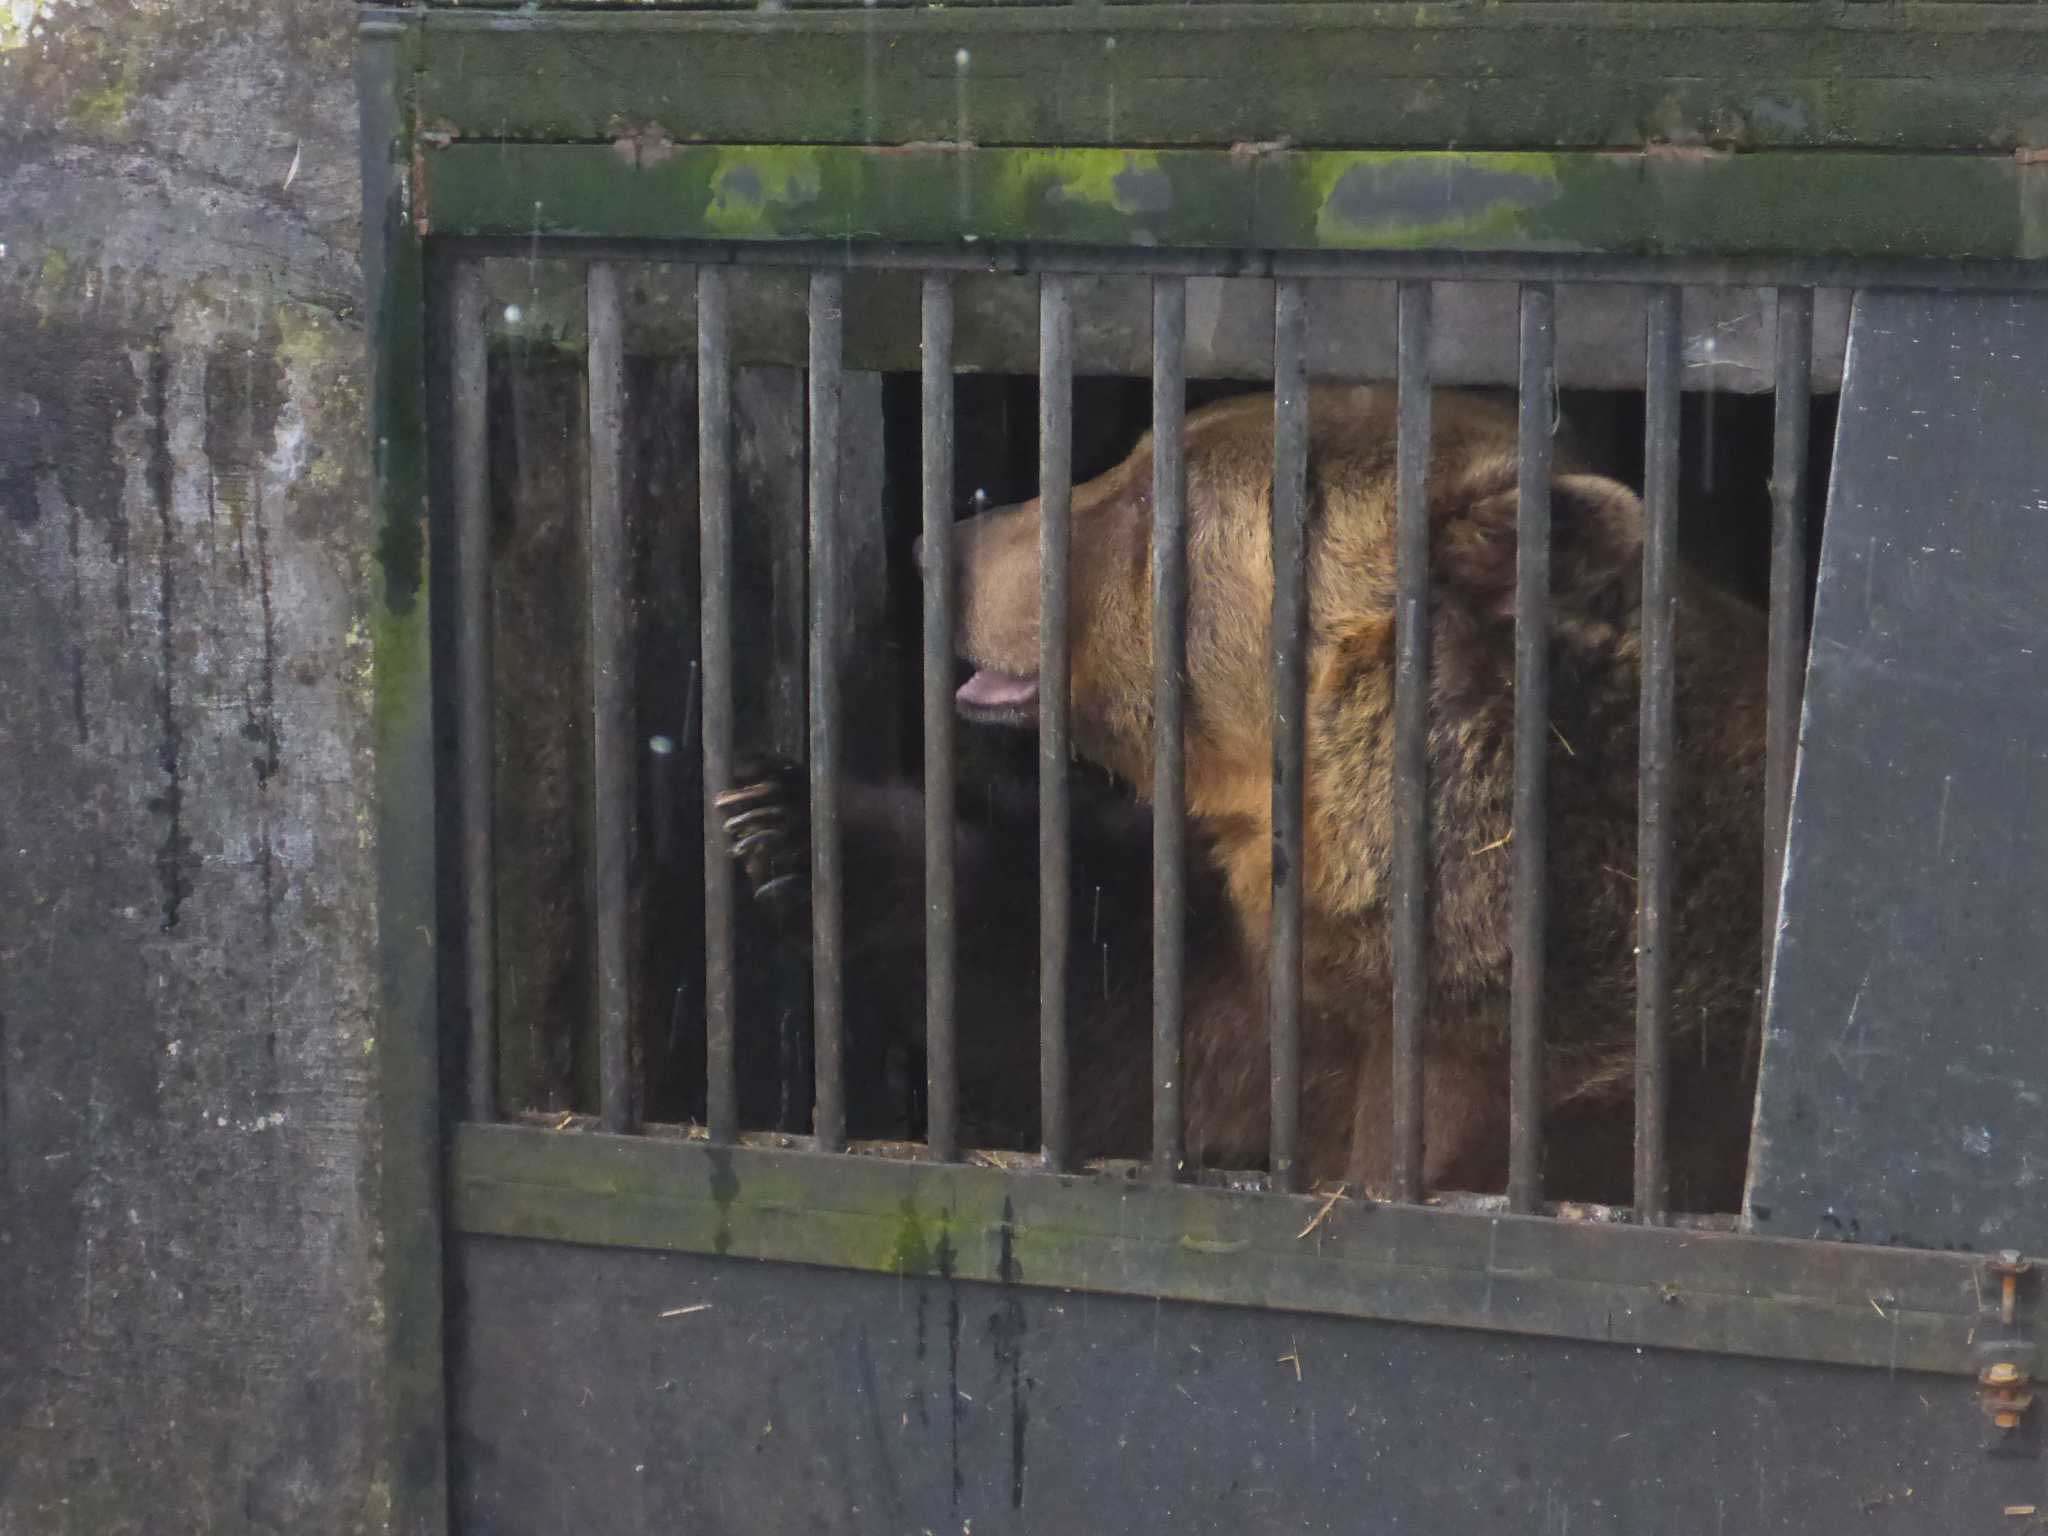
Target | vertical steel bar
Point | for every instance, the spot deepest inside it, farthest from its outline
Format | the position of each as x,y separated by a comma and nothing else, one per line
827,326
1169,766
1538,385
611,699
1055,489
715,574
942,1077
469,385
1411,735
1289,637
1654,856
1793,405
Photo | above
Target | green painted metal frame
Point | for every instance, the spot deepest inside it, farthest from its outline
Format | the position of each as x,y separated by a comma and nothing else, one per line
1706,131
412,1219
1729,207
1565,74
1655,1287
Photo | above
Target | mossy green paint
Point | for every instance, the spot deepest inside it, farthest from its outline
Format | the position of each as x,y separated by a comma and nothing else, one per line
1877,207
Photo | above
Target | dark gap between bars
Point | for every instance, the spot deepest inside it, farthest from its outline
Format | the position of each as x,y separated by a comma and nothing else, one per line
1055,485
827,324
1411,736
942,1078
1792,403
1169,764
1537,403
1654,857
470,429
1290,647
611,698
715,569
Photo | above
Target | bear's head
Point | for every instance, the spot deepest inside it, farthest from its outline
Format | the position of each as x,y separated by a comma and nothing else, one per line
1596,559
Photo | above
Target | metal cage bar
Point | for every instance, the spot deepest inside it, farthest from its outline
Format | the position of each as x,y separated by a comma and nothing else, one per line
1792,403
1055,489
715,572
1411,735
469,384
1538,420
1169,742
942,1076
1290,673
827,327
611,582
611,697
1655,859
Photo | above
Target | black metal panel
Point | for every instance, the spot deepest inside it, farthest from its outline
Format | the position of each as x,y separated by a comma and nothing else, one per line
1906,1048
607,1391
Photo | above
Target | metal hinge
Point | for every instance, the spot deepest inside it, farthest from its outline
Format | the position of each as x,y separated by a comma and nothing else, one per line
2004,1373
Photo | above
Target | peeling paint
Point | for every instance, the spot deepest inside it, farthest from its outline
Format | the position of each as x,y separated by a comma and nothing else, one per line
1418,200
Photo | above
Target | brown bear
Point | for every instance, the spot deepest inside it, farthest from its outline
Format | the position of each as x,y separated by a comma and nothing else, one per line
1594,707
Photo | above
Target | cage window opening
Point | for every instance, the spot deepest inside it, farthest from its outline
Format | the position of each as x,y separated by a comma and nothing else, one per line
618,755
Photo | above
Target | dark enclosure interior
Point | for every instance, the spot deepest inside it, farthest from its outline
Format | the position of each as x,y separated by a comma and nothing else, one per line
539,560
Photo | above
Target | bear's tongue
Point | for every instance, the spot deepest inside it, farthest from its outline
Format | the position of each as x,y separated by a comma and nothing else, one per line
989,689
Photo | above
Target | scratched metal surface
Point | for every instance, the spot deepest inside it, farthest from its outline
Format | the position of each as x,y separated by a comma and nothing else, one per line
774,1398
1907,1047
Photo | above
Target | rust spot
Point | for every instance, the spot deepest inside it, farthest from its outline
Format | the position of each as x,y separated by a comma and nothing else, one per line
417,193
1690,154
643,145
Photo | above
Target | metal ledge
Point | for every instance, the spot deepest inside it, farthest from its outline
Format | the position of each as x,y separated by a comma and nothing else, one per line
1892,208
1652,1287
1775,76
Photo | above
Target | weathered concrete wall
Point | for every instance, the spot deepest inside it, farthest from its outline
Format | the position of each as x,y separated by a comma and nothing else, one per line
188,1317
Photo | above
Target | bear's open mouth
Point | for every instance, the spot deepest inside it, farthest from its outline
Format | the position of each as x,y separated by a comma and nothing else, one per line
1002,697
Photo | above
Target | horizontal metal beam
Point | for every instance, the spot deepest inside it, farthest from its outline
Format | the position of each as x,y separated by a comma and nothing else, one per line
1644,204
1653,1287
1566,74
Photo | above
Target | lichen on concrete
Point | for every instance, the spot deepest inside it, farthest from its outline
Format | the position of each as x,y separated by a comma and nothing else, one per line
188,1339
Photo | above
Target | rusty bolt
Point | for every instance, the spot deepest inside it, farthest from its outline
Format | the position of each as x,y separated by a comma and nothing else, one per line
2005,1394
2008,1265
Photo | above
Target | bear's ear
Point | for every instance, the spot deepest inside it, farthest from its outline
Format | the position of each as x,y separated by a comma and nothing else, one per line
1475,555
1360,646
1595,531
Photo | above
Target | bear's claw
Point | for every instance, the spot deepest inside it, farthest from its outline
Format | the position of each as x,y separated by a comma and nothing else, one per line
766,823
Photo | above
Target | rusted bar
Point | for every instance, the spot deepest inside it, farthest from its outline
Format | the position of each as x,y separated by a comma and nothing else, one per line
1055,489
477,750
827,327
1654,858
1169,766
1290,672
611,698
715,572
1792,402
1538,386
942,1076
1411,733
